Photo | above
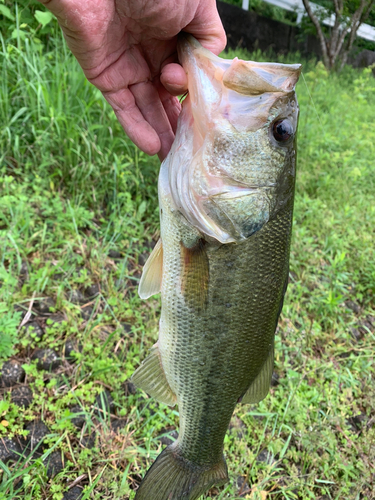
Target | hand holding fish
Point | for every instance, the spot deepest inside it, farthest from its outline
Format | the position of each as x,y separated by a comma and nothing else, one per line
127,49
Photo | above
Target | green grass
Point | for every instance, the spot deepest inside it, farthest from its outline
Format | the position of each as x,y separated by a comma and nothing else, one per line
73,188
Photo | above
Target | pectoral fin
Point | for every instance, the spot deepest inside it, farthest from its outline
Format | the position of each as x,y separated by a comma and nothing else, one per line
195,275
150,377
150,283
259,388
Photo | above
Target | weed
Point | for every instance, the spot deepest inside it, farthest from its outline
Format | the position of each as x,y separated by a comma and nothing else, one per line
78,216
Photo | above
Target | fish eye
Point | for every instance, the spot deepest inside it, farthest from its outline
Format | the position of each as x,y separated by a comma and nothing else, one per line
282,130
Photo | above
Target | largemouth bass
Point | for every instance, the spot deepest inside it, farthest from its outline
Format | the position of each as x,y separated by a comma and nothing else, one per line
226,193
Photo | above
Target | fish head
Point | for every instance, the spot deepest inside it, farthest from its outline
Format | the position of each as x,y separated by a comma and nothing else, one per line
232,165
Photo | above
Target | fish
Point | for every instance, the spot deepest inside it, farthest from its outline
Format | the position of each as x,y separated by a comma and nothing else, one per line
226,194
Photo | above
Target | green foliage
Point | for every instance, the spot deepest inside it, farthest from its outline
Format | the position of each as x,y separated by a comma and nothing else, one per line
9,322
349,8
267,10
25,19
279,14
72,188
344,215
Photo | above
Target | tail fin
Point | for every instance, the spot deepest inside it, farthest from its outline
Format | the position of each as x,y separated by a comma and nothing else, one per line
171,477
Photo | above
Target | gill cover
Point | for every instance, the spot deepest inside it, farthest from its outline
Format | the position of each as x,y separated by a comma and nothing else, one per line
225,170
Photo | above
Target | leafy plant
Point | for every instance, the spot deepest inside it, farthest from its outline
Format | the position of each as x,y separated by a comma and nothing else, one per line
9,321
267,10
338,42
25,19
78,211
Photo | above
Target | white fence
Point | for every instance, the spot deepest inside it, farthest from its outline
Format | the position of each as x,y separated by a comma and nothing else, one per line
365,30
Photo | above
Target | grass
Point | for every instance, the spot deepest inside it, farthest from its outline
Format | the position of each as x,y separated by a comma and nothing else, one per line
74,191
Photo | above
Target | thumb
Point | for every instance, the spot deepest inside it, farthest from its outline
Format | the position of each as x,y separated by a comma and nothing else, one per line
207,28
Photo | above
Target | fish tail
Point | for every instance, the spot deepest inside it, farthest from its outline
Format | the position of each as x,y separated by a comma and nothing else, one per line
172,477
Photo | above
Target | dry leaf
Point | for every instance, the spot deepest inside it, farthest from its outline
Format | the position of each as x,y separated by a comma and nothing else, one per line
263,495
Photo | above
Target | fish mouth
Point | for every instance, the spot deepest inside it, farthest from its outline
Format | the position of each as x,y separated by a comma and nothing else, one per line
227,98
241,92
244,77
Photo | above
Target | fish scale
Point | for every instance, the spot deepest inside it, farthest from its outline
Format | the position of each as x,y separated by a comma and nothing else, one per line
255,288
226,193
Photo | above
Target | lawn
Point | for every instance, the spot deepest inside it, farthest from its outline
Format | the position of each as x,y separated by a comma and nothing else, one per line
78,217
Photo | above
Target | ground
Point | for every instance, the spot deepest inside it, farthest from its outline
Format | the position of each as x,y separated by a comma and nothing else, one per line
78,217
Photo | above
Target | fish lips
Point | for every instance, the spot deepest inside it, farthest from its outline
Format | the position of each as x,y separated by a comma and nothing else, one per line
243,92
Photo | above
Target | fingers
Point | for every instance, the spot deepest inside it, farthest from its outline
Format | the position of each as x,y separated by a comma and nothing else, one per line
171,105
148,118
132,120
174,79
148,101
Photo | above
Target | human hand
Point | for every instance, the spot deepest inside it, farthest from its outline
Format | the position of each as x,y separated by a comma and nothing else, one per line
127,49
